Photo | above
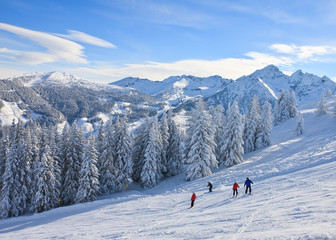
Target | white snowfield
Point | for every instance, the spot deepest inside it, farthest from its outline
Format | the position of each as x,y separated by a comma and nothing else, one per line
293,197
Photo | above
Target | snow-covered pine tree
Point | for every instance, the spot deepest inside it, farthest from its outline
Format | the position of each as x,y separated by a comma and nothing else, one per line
4,147
72,162
122,155
138,151
218,124
232,150
291,104
14,190
36,145
45,185
174,151
201,155
55,154
108,168
164,139
194,115
299,124
265,126
252,122
322,107
27,159
64,148
100,143
281,112
89,175
328,93
151,172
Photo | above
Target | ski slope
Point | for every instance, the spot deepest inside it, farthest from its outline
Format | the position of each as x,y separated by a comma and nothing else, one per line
293,197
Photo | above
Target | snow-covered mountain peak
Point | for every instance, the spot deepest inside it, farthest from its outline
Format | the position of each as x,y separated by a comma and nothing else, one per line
53,78
270,72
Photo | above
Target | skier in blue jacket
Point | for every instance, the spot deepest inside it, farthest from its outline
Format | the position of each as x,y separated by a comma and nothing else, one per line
247,184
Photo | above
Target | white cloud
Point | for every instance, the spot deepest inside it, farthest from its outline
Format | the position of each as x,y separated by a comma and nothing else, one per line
285,57
303,52
228,68
58,49
86,38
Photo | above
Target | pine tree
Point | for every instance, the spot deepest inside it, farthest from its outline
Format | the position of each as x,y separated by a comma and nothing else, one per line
299,125
218,124
151,172
174,151
55,154
252,122
100,143
322,107
14,190
164,139
328,93
35,143
281,113
73,160
201,155
266,124
232,150
194,115
89,175
122,155
291,104
44,196
138,151
108,175
3,155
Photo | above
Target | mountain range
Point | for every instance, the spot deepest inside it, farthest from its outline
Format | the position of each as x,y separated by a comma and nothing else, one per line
54,97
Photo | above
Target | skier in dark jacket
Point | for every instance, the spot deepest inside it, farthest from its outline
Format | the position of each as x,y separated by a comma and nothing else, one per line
247,184
193,198
210,186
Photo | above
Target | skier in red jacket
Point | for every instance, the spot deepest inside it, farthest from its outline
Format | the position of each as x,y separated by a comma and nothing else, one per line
235,189
193,198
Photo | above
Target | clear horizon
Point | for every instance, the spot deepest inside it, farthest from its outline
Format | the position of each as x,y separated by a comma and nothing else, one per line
105,41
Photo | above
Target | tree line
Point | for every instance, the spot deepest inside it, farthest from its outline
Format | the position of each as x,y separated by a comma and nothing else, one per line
41,167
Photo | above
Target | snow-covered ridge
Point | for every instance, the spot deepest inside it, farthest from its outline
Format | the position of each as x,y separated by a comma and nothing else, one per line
61,79
265,83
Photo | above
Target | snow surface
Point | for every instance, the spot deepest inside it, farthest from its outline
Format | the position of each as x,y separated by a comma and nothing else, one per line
11,111
293,197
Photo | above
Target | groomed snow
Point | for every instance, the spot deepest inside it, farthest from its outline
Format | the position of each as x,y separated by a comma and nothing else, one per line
293,197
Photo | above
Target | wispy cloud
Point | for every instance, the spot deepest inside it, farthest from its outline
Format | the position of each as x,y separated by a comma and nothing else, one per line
86,38
303,52
283,55
229,68
58,49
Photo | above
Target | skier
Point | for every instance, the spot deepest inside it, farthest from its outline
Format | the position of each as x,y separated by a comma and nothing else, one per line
210,186
247,184
235,189
193,198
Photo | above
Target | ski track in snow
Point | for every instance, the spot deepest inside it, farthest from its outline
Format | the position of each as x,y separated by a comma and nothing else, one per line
293,197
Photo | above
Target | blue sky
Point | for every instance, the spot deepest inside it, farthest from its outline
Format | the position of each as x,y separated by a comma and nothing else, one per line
107,40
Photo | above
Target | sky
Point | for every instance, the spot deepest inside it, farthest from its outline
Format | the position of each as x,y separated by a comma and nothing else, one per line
107,40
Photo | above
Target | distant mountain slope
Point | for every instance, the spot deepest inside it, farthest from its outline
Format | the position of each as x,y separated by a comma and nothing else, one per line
177,86
267,84
54,97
